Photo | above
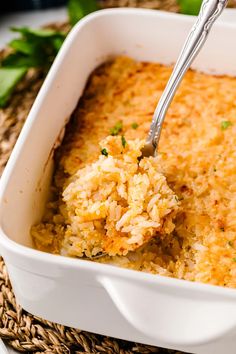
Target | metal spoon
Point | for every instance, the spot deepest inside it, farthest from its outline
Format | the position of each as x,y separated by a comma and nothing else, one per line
209,12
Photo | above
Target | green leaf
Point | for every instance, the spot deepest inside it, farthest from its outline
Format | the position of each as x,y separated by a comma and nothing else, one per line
77,9
35,48
22,46
20,60
8,80
57,43
190,7
37,33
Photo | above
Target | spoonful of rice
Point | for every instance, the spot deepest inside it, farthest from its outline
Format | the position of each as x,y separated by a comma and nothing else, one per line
116,204
209,12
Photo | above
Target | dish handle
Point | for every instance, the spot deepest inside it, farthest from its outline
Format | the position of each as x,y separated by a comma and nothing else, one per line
176,316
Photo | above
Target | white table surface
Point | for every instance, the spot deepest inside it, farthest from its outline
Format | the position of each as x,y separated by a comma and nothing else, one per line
38,18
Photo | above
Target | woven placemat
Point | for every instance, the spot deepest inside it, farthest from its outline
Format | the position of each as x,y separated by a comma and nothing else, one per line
21,330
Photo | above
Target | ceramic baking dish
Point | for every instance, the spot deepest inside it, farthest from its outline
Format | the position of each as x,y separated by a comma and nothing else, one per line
100,298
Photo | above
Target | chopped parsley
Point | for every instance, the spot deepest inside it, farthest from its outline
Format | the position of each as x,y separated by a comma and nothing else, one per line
123,141
117,128
234,259
225,124
134,125
104,152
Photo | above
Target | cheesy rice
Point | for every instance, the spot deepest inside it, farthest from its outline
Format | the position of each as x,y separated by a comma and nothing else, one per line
197,155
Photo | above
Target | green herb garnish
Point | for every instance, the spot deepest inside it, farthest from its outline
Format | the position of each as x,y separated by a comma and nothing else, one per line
134,125
225,124
104,152
33,49
123,141
36,48
190,7
117,128
77,9
234,259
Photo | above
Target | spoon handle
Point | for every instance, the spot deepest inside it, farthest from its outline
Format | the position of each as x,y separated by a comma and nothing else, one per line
209,12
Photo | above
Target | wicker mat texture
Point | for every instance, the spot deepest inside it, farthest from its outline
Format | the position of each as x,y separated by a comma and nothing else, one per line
20,329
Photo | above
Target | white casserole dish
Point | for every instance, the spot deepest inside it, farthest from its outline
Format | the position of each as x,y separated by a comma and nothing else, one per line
122,303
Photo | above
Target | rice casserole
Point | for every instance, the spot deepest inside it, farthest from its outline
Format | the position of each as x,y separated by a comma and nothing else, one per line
197,155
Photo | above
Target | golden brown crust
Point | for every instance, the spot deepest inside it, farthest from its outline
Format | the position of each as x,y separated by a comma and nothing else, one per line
197,154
